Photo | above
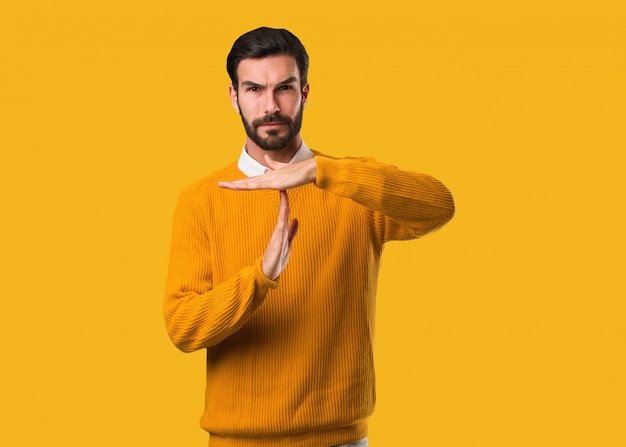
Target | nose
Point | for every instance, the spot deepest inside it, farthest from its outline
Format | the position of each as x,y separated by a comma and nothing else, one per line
271,105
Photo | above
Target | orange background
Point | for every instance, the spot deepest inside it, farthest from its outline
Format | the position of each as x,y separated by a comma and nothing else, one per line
507,328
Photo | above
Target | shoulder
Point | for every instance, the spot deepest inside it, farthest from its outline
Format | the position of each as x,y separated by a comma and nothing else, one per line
208,185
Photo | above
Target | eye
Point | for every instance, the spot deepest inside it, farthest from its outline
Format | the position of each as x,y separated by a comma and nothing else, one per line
253,89
285,87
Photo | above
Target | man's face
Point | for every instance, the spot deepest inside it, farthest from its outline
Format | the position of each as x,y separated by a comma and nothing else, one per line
270,100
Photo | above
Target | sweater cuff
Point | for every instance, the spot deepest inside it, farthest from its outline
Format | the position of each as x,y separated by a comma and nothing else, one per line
263,281
331,174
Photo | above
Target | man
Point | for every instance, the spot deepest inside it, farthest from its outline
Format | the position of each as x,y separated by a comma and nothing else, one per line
288,333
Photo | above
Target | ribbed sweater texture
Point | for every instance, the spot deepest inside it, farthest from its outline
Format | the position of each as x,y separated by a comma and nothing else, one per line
290,362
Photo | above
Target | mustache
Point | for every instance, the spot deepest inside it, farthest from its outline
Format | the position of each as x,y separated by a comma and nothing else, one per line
273,118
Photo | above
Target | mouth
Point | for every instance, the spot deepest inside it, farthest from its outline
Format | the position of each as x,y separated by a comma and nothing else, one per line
272,124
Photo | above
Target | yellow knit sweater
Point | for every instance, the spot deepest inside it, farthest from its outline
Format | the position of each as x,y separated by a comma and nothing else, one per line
290,362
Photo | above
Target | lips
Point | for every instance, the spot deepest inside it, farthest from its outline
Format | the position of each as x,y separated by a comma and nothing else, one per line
271,120
269,126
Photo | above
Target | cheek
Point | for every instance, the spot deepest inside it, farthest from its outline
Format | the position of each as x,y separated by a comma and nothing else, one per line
291,105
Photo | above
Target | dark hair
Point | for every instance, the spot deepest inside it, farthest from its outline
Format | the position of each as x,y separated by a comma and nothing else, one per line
263,42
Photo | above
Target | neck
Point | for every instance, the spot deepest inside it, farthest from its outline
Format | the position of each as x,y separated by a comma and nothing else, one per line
283,155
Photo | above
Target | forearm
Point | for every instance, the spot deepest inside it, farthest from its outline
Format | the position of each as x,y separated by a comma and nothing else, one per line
418,202
198,312
199,320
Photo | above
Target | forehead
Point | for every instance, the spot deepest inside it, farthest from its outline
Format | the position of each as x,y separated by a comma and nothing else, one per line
268,70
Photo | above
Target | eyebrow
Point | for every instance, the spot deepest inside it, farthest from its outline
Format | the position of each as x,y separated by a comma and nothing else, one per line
250,84
289,80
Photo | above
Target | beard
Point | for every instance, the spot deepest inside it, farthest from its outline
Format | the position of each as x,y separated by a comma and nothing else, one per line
273,141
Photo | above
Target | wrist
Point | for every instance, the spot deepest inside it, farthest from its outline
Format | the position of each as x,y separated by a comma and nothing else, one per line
312,170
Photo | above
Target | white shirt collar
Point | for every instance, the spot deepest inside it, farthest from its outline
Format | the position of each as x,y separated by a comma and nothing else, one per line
251,167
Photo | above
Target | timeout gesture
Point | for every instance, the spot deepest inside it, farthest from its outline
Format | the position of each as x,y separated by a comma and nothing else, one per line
281,177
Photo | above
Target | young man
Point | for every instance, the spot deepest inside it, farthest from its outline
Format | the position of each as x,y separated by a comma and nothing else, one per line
288,330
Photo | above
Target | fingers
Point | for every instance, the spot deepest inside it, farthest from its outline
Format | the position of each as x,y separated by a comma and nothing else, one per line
290,229
237,185
282,176
279,248
283,209
249,183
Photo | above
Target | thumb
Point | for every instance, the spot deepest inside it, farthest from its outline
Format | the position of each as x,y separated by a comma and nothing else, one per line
272,164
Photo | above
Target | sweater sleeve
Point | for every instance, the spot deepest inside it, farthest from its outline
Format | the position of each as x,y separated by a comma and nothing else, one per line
401,204
199,314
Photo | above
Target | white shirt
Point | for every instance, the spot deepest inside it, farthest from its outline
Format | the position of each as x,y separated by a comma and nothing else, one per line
251,167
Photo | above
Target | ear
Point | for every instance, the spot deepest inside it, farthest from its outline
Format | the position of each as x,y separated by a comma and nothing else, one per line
233,98
305,94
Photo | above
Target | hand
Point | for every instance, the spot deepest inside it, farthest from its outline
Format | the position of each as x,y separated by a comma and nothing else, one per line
279,248
282,176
